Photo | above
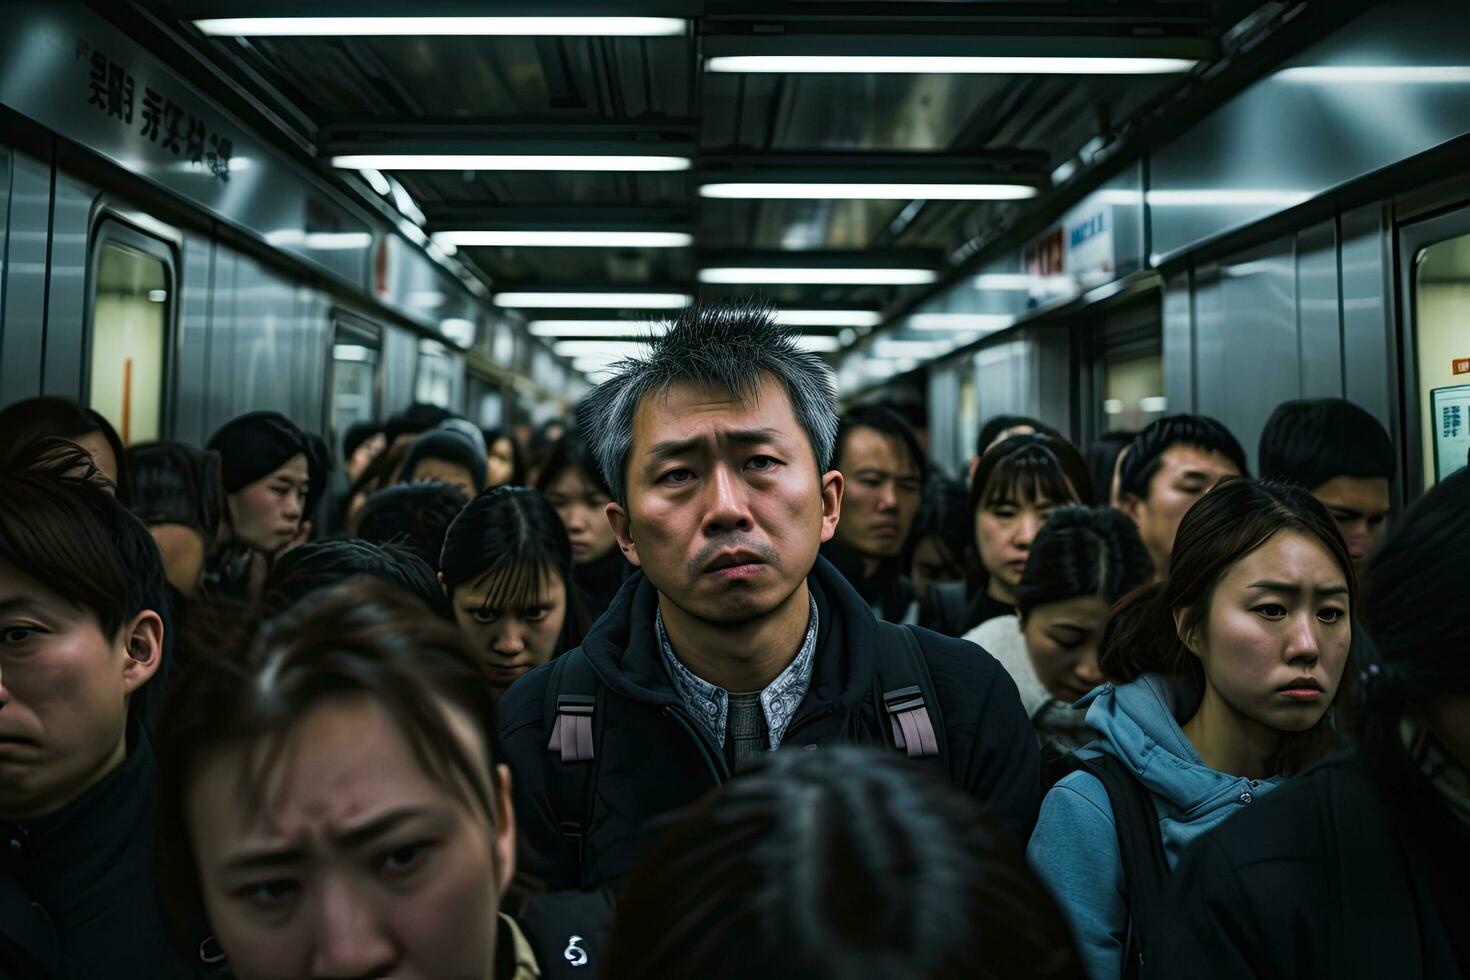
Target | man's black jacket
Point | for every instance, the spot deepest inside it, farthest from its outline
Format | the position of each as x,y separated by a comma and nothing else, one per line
1354,870
649,762
77,895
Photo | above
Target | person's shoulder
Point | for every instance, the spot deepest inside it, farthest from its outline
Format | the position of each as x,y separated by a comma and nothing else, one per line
522,706
1285,824
952,660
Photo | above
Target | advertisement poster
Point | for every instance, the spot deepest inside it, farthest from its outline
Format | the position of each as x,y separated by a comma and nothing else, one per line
1451,408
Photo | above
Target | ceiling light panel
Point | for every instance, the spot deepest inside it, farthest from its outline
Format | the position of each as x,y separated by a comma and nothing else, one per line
828,318
594,301
604,162
740,276
945,65
569,239
443,26
596,328
804,191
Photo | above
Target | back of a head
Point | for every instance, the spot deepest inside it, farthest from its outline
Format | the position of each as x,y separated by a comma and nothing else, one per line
415,419
944,513
1083,551
570,452
358,433
1031,467
731,347
1414,605
841,863
1145,451
49,417
451,445
997,425
1102,461
412,514
886,422
1311,441
321,564
174,483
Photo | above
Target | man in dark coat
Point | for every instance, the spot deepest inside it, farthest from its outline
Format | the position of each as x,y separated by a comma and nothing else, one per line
734,638
1360,866
83,616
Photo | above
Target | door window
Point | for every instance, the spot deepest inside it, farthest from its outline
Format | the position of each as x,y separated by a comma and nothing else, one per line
130,316
1442,348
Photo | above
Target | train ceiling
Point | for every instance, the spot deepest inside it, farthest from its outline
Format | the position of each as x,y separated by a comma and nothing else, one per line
718,146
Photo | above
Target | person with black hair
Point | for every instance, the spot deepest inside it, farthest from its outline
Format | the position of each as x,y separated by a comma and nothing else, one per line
1084,559
1168,466
571,482
178,494
321,564
507,568
416,515
999,427
1221,683
453,453
1102,464
504,459
883,469
1356,869
542,439
360,446
1343,455
273,475
332,799
404,427
25,422
735,636
1019,482
84,620
837,864
940,532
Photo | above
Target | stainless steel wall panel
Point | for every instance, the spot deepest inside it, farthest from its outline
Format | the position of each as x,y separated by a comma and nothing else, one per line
22,344
66,299
1261,365
1178,341
1367,330
1211,390
1319,312
400,366
943,401
190,404
5,170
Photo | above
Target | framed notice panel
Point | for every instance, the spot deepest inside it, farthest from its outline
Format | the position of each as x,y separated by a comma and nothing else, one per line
1451,420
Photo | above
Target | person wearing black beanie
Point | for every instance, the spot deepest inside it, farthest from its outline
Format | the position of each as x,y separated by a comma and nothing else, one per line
447,454
178,494
1343,456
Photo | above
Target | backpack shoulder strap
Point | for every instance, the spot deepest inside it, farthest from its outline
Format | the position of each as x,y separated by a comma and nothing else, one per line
1141,847
574,714
905,697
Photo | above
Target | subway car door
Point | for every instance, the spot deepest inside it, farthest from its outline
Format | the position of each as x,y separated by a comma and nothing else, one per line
130,315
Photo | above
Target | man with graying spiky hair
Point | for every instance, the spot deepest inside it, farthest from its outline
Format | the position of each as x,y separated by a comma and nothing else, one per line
734,638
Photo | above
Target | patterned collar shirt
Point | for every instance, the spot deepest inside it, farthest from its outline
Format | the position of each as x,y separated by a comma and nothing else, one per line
710,705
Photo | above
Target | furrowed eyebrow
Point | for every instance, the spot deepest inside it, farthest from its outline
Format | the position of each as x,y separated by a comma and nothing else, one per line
1287,588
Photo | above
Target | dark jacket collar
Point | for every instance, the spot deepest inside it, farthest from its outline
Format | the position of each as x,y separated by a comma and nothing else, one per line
887,589
624,651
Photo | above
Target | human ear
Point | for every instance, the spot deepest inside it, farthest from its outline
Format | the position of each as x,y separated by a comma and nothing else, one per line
1132,505
832,486
504,840
1185,637
142,638
623,531
440,577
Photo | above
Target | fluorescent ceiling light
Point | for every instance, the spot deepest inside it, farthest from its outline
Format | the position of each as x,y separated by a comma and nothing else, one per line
376,180
907,348
1226,197
454,26
595,328
1021,281
404,202
320,241
353,352
946,65
959,321
1377,74
1112,406
818,277
158,295
1154,403
828,318
570,239
412,232
599,348
459,330
819,345
867,191
425,299
509,161
595,301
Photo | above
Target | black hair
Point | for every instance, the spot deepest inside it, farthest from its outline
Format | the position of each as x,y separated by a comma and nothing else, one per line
60,526
1030,467
1102,461
512,536
997,424
1225,525
357,434
174,483
944,513
253,446
449,446
415,515
320,564
517,457
887,422
1083,551
24,422
1414,606
1313,440
359,638
1145,452
847,862
416,418
570,452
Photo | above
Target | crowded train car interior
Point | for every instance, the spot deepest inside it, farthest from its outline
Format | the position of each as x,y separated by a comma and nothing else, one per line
698,488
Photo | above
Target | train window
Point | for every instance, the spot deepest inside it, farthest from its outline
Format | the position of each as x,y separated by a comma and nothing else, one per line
356,351
436,374
1132,367
130,316
1442,347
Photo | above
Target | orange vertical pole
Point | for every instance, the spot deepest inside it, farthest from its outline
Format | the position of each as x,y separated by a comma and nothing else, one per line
127,406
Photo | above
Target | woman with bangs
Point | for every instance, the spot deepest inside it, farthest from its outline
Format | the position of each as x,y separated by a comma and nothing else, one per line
507,568
1018,483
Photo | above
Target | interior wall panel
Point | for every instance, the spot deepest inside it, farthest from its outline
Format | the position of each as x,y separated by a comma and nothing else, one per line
67,290
1319,313
1178,342
220,354
1368,361
1261,364
191,341
22,343
5,172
